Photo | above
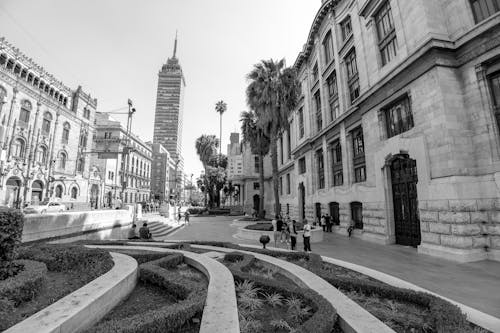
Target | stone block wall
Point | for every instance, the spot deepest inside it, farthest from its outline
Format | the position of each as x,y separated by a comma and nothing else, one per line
461,226
374,218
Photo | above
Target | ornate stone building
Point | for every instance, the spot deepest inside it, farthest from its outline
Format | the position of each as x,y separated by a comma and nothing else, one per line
397,131
160,176
44,131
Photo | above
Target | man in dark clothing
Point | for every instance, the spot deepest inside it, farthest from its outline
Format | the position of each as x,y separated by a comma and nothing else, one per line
328,223
144,232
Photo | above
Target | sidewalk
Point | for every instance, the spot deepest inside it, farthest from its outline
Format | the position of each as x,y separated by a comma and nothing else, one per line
474,284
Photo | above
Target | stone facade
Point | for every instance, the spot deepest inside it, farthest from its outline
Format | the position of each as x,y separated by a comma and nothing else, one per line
404,146
160,176
44,135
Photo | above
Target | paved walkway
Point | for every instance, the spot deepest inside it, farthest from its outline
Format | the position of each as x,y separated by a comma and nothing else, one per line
474,284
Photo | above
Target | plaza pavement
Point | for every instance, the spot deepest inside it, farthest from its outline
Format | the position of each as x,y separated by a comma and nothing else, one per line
474,284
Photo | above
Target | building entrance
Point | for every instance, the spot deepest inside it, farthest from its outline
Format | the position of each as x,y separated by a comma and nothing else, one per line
404,192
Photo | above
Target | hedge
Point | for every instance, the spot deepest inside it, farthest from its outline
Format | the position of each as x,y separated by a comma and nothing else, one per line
324,317
142,256
60,258
168,318
25,285
197,210
11,231
260,227
6,309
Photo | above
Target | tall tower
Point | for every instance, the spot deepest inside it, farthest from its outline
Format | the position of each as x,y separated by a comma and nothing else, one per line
169,107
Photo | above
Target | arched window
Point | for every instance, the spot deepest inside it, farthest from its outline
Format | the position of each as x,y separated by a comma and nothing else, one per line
357,214
18,148
65,133
51,92
35,81
80,164
10,64
24,116
60,98
74,192
41,155
59,191
42,85
62,160
46,89
47,121
3,59
17,69
24,73
83,139
56,95
30,78
65,101
3,94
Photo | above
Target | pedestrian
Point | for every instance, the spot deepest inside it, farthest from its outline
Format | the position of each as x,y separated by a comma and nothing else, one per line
328,219
144,232
179,215
323,222
276,233
279,228
307,237
132,232
186,216
292,230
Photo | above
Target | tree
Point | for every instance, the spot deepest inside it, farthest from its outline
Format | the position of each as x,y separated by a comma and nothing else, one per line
206,148
220,108
259,145
273,93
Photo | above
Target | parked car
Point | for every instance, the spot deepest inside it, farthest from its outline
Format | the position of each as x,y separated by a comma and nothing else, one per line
43,208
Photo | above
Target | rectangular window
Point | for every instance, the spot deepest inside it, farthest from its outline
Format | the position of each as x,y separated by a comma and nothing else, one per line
302,165
398,117
24,117
321,168
282,153
256,164
358,155
301,123
352,75
331,83
319,116
386,33
482,9
289,143
288,183
337,168
256,186
328,48
494,80
346,28
334,212
281,185
357,214
315,73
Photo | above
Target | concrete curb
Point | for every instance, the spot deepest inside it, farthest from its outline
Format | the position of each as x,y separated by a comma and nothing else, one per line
87,305
221,311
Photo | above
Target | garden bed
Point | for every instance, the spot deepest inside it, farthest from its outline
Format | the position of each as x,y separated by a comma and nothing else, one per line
168,298
50,273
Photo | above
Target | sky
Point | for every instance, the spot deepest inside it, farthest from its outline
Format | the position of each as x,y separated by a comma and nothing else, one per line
115,48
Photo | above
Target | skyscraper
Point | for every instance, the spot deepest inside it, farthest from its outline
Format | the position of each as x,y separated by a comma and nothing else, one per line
169,106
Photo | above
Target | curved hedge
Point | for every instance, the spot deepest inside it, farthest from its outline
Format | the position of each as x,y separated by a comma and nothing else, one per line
168,319
325,316
26,284
260,227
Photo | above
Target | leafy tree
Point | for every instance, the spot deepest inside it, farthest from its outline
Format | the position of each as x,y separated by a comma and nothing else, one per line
216,178
206,148
259,145
273,93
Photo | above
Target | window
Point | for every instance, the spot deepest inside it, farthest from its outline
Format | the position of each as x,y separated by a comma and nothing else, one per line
494,80
62,160
301,123
398,117
59,192
302,165
319,117
288,191
334,212
346,28
337,168
41,155
359,155
18,148
24,116
256,164
107,135
83,140
328,48
80,164
357,214
74,193
256,186
320,169
386,33
331,83
352,75
315,73
3,59
289,143
47,120
10,64
483,9
281,185
65,133
281,149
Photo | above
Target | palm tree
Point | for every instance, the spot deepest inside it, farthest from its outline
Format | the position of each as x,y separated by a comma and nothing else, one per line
220,107
259,144
206,148
273,93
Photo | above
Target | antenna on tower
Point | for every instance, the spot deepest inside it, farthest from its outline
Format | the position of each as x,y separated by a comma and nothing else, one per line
175,44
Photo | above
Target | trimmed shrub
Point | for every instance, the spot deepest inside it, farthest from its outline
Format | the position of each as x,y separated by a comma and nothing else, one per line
142,256
6,310
26,284
260,227
11,231
197,210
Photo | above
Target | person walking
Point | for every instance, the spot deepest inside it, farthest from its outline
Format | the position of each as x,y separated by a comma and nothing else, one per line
307,236
328,219
292,230
323,222
186,217
276,233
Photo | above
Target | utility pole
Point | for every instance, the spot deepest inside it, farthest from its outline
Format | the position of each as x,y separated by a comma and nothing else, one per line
176,193
127,149
191,189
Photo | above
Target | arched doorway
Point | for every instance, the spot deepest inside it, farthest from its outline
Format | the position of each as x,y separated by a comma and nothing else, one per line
109,199
256,203
59,191
36,192
302,202
404,193
12,194
94,196
317,210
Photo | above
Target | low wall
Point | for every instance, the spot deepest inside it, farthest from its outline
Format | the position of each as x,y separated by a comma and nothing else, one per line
316,235
73,224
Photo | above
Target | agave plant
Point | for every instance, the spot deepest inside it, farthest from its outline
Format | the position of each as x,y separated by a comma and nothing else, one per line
273,299
281,324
